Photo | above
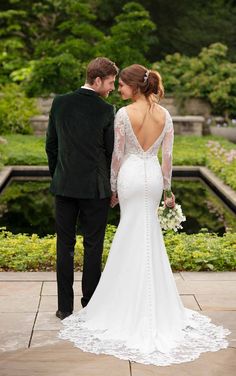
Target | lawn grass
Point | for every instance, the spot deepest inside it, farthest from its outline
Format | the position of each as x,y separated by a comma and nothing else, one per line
30,150
188,151
23,150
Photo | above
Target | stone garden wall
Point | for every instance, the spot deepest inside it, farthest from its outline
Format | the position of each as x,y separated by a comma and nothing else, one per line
184,123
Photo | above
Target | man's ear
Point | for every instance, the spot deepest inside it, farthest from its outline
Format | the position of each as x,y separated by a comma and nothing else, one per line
98,81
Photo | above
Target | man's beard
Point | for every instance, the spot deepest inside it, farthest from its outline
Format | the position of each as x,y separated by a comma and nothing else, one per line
103,93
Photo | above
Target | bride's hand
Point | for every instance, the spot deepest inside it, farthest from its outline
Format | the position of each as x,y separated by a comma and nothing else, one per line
114,199
169,200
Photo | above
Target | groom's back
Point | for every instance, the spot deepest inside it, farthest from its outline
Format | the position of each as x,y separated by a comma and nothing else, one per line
81,124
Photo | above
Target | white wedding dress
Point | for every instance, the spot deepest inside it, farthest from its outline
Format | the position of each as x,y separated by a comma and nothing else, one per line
136,312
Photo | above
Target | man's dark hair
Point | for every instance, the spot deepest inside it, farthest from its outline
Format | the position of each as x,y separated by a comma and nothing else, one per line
100,67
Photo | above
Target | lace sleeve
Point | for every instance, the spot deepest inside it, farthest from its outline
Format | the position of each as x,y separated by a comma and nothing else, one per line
118,152
167,148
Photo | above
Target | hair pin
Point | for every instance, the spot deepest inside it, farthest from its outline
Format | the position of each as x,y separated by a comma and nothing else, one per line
146,75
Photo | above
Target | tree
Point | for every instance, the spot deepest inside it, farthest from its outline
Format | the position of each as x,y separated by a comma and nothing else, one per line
46,45
210,76
34,31
12,46
206,23
130,38
181,26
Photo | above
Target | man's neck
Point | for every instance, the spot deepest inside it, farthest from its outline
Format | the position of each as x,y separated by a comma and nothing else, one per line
87,86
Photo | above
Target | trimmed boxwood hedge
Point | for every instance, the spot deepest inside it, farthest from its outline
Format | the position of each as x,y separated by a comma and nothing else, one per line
197,252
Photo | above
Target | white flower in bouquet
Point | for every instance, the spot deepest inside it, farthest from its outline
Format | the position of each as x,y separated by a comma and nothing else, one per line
170,218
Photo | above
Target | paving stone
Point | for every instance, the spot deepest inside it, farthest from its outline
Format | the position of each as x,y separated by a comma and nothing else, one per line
27,276
220,363
232,338
16,288
47,321
215,292
14,340
50,288
216,302
190,302
15,321
48,303
60,359
15,330
206,287
19,303
209,276
44,338
225,318
177,276
33,276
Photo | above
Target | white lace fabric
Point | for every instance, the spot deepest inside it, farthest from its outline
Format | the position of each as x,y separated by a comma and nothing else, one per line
198,336
135,312
127,143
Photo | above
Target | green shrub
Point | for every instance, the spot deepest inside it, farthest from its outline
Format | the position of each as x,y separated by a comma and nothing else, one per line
210,76
23,252
197,252
15,110
222,161
56,74
3,141
24,150
203,251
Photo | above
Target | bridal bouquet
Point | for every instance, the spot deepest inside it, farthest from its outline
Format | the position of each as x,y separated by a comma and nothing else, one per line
170,218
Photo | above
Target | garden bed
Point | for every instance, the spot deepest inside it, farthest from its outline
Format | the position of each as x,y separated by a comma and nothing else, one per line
197,252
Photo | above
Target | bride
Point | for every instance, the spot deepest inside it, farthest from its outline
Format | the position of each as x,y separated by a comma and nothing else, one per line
136,312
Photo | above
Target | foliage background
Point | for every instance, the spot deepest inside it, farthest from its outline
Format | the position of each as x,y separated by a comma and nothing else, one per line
45,45
188,151
196,252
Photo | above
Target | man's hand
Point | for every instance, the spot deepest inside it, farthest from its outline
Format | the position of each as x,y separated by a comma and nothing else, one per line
114,199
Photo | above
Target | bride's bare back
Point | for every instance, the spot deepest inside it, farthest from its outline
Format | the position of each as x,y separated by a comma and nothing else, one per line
147,122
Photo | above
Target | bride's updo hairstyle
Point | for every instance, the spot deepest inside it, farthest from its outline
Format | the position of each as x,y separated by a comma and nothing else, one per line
143,80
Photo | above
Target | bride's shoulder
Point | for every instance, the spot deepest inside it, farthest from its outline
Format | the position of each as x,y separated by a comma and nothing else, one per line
133,107
167,114
121,112
164,109
120,116
168,119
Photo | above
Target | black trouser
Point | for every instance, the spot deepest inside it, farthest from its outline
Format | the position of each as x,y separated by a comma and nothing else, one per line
92,214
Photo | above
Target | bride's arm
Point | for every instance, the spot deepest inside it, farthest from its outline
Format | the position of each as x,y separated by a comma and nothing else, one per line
167,151
118,152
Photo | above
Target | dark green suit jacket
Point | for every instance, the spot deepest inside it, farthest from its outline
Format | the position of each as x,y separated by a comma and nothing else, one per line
79,145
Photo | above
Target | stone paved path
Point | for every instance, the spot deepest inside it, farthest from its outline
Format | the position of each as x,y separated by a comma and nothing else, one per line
28,329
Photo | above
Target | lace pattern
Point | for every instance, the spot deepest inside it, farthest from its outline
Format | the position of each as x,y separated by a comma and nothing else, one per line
118,151
167,149
198,336
127,143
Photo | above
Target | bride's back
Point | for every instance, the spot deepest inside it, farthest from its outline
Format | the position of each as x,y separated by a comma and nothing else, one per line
147,122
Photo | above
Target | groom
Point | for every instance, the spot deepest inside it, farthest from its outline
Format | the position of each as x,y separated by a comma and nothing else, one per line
79,146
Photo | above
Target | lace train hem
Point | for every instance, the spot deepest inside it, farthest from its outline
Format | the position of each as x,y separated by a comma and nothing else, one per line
199,336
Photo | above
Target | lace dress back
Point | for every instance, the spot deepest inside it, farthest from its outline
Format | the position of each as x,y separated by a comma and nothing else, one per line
127,143
136,312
